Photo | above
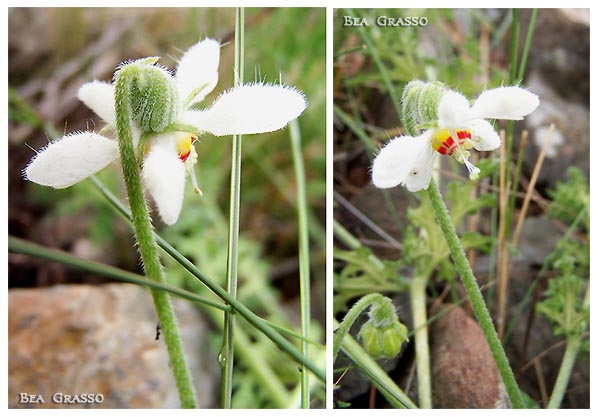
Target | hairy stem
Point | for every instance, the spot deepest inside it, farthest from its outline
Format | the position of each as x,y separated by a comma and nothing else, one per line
472,289
145,238
349,319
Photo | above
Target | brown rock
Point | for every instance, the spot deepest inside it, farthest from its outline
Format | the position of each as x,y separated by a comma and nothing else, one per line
80,339
463,371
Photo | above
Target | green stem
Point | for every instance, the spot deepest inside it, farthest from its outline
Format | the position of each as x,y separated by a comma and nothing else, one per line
566,367
472,289
303,255
419,313
145,238
514,46
512,78
16,245
349,319
510,125
219,291
526,46
226,357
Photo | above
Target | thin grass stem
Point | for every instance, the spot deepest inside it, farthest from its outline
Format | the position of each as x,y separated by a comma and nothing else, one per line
303,255
16,245
226,356
219,291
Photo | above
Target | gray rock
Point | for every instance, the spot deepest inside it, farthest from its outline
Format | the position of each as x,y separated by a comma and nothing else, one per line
100,340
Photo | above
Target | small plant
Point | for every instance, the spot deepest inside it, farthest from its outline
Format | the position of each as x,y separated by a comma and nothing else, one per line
567,301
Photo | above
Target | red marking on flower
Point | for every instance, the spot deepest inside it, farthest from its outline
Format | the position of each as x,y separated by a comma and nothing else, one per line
445,144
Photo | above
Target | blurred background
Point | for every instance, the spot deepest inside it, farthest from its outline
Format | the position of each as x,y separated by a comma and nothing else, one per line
52,52
469,51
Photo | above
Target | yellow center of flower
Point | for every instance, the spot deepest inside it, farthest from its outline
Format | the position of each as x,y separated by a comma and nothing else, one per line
183,144
446,143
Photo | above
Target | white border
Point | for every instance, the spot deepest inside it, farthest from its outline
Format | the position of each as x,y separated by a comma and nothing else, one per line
330,4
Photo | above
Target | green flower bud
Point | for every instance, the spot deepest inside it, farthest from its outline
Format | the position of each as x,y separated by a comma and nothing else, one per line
409,104
392,339
371,340
429,100
420,103
153,97
383,334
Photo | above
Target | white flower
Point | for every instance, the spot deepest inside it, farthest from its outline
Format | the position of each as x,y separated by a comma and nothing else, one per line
246,109
408,161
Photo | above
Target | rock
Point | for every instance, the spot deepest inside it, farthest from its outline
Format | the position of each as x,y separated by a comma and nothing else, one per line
558,71
463,371
570,143
538,239
560,51
100,340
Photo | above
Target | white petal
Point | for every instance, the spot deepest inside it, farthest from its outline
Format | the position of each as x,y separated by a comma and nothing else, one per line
198,69
71,159
99,97
404,160
422,170
163,175
453,111
249,109
511,103
484,135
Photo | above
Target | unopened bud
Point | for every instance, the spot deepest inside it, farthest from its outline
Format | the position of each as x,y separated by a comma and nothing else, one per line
371,340
420,103
153,97
392,339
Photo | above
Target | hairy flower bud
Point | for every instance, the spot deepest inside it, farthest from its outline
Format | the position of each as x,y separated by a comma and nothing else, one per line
420,103
392,339
409,102
429,100
383,334
153,97
371,340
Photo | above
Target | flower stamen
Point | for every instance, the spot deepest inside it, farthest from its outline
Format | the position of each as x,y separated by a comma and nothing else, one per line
473,170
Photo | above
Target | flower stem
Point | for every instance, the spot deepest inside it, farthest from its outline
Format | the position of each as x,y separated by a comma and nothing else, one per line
530,29
471,287
419,313
145,238
303,255
349,319
566,367
226,358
